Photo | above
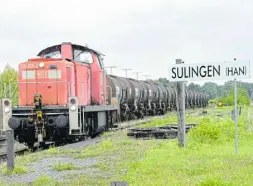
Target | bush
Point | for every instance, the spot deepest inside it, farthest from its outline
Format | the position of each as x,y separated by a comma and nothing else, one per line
213,101
8,84
218,130
206,132
242,98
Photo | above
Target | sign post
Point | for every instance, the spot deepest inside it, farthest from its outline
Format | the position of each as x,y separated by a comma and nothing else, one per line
10,149
180,87
236,120
229,70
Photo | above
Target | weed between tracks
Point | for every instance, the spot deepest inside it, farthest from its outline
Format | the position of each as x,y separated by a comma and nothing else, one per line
209,158
16,170
64,166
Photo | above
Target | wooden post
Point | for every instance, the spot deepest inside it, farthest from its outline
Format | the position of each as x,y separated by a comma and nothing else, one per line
180,87
236,118
10,149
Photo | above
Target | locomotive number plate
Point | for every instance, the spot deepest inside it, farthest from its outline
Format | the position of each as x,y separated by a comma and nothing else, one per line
42,74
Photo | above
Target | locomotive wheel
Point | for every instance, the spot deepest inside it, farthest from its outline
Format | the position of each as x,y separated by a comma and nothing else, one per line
30,146
43,145
154,112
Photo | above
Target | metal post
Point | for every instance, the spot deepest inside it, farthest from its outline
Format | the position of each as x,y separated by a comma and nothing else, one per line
137,73
181,111
111,67
146,76
10,149
236,120
126,71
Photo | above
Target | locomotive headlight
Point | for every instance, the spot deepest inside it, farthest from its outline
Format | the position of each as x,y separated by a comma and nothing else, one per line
6,110
6,102
41,65
73,108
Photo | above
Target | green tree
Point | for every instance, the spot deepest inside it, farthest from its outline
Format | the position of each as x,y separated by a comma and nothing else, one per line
8,82
195,87
211,88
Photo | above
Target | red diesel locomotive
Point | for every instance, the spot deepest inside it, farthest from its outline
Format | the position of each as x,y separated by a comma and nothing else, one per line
66,95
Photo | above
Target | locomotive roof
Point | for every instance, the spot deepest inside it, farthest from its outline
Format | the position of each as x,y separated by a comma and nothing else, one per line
74,46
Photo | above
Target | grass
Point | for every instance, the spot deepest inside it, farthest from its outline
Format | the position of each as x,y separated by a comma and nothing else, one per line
16,170
208,159
64,166
44,181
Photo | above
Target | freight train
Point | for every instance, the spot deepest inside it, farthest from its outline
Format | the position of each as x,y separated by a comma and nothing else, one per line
65,95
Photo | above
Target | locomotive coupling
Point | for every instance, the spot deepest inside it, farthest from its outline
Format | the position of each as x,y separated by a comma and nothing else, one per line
38,101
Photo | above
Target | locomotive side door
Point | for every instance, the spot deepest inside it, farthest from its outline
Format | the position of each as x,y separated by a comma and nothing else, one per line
70,81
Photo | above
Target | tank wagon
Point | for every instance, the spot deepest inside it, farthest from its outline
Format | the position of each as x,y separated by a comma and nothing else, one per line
65,95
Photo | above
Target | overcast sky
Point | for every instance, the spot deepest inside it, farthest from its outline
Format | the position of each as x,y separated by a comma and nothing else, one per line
146,36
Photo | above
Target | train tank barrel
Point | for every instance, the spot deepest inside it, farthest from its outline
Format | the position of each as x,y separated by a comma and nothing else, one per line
114,91
144,92
135,92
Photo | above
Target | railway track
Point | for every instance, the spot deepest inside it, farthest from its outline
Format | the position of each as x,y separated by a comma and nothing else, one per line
21,149
168,131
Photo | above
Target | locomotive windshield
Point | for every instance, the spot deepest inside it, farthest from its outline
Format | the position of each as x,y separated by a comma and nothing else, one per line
79,54
54,54
83,56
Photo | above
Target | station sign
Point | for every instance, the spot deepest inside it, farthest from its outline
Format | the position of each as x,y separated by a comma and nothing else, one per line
229,70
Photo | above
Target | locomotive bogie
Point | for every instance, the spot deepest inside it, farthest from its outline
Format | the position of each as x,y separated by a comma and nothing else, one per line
61,124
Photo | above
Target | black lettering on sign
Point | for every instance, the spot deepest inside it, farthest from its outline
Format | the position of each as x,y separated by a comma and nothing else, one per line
209,70
216,70
242,70
195,72
202,74
230,71
192,72
181,73
185,73
235,71
173,71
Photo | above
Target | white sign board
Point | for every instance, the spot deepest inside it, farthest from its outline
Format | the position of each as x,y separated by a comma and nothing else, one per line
216,71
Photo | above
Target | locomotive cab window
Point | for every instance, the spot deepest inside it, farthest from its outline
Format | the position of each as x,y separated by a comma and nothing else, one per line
83,56
54,54
100,60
